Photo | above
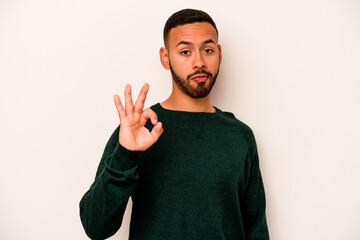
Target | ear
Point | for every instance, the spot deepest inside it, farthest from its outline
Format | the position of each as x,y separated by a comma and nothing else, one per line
220,56
164,58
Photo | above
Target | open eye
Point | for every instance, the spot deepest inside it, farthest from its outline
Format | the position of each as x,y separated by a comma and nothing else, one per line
185,52
208,50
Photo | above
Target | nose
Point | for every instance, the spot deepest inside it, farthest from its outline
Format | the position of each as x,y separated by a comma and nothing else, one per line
198,61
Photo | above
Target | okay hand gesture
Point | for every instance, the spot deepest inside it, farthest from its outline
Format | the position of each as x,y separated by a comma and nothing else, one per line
133,134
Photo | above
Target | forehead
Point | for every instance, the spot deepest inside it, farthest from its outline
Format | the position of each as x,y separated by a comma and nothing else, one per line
193,32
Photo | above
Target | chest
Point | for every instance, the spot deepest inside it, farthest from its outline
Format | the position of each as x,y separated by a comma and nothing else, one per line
199,157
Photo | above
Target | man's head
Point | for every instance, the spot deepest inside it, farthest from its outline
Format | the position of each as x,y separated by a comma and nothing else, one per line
191,52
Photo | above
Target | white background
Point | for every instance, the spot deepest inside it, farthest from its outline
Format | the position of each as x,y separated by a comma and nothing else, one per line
290,71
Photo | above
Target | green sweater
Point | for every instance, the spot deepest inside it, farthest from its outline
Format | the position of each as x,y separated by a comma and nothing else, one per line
200,180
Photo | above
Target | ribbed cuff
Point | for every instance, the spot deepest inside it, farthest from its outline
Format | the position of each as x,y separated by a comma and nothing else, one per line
124,159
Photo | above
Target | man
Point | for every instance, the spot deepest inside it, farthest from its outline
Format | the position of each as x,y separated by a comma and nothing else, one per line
192,171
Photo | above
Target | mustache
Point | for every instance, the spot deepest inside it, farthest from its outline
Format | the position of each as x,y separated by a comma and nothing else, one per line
200,71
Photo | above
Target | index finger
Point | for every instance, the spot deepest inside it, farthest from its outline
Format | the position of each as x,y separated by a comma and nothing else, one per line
140,101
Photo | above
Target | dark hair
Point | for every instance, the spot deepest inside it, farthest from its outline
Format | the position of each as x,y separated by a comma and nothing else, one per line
186,16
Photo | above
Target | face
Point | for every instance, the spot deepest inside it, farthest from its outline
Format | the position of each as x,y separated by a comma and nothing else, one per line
193,57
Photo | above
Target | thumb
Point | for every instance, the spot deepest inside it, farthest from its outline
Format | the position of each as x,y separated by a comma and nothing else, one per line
157,130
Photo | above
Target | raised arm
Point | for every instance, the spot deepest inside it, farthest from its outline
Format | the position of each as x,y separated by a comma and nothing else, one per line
102,207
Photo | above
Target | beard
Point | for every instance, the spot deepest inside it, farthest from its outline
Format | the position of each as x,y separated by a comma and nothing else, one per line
201,90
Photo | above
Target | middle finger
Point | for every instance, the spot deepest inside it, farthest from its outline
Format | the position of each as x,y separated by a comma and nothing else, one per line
140,101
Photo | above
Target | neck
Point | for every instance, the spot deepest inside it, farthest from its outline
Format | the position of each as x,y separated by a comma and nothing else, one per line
182,102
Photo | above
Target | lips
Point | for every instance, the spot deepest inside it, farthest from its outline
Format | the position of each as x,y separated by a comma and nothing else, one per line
200,78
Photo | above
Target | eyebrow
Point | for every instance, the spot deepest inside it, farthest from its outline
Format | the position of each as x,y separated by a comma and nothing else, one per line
190,43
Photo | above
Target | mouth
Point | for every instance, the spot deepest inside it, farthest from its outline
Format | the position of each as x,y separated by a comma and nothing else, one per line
200,78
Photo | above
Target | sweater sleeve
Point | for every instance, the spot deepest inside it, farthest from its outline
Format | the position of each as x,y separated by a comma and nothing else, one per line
253,201
102,207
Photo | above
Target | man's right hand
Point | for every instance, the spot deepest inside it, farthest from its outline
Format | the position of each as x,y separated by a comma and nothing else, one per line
133,134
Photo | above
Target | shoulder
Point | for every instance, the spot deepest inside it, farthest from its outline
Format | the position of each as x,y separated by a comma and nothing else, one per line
238,127
155,107
236,122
